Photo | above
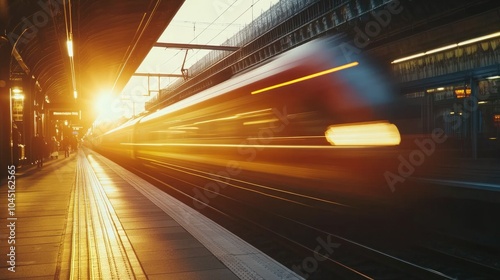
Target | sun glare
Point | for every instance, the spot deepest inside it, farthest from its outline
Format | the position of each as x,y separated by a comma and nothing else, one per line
108,107
102,103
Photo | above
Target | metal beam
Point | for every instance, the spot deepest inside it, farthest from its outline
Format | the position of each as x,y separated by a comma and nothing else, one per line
195,46
158,75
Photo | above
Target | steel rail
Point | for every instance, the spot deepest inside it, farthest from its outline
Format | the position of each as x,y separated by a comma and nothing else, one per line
363,250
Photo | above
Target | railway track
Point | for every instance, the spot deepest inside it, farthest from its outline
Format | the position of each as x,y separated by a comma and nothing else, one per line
476,261
276,221
340,257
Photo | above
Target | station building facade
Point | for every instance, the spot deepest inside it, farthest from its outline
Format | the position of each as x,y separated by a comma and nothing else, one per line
457,90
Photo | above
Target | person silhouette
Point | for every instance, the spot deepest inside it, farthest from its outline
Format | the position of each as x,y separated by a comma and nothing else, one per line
39,149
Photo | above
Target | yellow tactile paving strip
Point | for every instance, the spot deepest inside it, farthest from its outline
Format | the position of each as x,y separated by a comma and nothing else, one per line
99,242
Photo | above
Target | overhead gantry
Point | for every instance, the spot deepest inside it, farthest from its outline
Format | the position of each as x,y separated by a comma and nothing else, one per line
184,71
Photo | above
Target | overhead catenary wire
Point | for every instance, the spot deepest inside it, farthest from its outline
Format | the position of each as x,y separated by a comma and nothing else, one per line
209,24
218,34
205,29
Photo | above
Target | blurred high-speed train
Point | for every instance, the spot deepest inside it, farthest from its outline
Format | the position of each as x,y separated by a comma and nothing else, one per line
316,114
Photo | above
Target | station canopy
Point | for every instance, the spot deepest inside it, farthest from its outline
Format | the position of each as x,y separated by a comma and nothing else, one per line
197,23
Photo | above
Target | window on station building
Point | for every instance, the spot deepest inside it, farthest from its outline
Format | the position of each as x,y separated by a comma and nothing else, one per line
17,104
496,120
461,92
489,88
17,110
441,93
450,92
411,95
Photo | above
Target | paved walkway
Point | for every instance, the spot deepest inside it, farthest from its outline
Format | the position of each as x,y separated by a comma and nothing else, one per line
84,217
38,212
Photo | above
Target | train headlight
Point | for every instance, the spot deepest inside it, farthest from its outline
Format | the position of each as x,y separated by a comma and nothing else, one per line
363,134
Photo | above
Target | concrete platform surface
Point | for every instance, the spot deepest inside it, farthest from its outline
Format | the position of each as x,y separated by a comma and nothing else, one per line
84,217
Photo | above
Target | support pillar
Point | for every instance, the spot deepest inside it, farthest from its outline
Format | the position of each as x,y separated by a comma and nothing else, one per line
474,117
427,113
28,118
5,107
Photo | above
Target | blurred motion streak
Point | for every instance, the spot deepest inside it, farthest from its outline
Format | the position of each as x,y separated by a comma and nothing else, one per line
280,140
215,120
260,122
364,134
228,180
249,145
331,70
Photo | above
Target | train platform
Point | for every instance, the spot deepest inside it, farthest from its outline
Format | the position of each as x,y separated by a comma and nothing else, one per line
84,217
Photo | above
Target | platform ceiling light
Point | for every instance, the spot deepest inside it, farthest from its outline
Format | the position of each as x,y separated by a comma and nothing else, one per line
69,44
442,49
75,94
486,37
18,96
482,38
493,77
17,90
408,58
328,71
